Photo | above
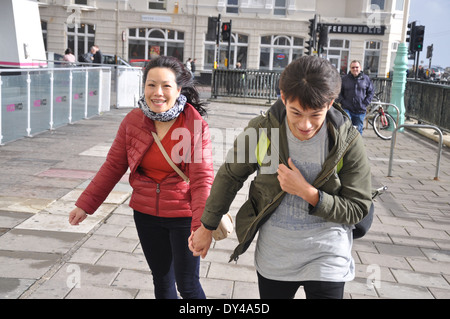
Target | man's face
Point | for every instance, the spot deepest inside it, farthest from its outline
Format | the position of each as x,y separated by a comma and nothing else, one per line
304,123
355,69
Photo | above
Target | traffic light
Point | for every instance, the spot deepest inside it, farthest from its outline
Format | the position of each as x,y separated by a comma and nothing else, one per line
313,32
226,31
430,51
419,35
211,35
323,38
308,47
410,36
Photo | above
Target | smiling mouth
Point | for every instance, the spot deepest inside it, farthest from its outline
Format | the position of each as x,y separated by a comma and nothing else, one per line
158,102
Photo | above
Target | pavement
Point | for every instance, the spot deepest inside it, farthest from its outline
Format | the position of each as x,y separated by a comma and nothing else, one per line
406,254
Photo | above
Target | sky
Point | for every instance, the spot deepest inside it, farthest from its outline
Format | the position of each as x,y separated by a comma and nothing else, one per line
434,15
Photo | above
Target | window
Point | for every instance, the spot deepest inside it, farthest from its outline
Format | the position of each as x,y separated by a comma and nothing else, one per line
82,2
278,51
81,39
233,6
372,58
399,5
280,8
379,3
44,33
157,4
239,52
338,52
146,43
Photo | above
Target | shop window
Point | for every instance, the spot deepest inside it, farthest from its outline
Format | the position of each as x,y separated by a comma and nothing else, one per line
146,43
277,51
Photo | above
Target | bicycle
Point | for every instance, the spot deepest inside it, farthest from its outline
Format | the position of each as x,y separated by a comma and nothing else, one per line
382,122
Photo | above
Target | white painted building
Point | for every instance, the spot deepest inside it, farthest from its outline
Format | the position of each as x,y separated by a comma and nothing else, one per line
266,34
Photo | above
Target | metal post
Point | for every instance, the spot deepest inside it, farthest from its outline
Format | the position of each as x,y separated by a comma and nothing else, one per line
1,111
229,45
51,99
29,104
100,90
70,96
86,94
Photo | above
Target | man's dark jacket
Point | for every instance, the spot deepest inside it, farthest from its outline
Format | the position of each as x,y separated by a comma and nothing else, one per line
356,93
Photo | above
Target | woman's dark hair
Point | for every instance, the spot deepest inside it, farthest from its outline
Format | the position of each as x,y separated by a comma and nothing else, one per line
183,79
311,80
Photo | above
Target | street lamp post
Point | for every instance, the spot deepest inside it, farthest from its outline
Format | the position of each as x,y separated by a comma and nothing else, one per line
400,68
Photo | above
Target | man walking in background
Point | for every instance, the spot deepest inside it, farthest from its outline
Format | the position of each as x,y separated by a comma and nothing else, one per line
356,94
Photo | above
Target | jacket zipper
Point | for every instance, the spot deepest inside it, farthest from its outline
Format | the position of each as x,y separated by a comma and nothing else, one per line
158,191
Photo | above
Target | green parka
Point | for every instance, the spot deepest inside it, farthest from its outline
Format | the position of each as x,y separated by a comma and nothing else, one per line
345,198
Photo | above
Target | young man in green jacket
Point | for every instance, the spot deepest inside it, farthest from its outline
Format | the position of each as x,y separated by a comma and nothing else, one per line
313,183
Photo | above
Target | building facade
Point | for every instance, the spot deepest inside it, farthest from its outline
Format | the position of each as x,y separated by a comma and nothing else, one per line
266,34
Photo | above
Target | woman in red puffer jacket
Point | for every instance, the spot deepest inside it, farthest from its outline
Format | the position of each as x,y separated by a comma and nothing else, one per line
166,207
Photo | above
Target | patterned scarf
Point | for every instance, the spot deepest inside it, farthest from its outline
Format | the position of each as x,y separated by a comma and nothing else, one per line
167,116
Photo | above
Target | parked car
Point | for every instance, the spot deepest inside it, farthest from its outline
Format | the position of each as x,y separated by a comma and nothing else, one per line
435,73
114,59
139,63
446,75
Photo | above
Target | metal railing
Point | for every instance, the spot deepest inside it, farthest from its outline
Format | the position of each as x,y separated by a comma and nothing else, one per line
441,142
425,101
35,100
255,84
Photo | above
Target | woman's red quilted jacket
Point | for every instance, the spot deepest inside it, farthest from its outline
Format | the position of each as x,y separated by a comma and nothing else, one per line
171,198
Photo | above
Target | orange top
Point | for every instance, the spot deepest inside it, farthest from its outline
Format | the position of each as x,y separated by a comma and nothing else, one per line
154,164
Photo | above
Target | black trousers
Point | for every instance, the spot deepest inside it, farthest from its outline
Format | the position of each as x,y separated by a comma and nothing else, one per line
165,245
274,289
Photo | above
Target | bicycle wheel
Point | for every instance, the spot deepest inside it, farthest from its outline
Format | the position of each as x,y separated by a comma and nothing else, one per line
384,126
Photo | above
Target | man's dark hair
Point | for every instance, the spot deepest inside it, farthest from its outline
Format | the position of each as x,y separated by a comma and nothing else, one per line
311,80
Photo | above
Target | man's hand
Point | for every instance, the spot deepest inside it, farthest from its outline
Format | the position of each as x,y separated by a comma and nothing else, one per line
200,241
292,182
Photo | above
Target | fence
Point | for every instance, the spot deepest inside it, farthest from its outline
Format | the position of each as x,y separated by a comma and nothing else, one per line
32,101
428,102
245,84
425,101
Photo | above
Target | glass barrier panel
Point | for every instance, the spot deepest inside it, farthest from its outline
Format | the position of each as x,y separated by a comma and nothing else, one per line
78,95
61,98
93,92
14,106
39,102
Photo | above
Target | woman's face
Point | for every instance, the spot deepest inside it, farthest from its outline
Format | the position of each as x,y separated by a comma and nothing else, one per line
161,89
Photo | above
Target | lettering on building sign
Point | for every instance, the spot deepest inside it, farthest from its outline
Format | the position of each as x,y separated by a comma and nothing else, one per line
357,29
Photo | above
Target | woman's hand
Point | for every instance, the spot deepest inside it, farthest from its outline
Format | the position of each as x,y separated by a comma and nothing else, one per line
77,216
200,241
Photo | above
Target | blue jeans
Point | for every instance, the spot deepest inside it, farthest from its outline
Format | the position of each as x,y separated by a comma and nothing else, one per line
165,245
357,120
